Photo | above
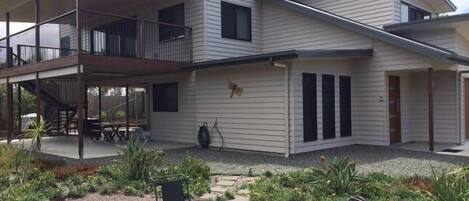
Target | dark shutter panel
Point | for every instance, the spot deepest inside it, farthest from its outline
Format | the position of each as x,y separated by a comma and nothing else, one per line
328,107
310,121
345,106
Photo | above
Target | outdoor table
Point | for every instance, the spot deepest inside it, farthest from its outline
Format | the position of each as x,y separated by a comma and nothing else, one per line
116,128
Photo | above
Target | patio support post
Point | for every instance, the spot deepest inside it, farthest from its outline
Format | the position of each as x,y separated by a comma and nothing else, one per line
19,108
100,106
85,105
9,90
37,30
39,107
127,111
80,102
78,23
430,108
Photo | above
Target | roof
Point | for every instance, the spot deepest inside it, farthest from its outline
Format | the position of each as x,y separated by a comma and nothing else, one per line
433,23
373,32
285,55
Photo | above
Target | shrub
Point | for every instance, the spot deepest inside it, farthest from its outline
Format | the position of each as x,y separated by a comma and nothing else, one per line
451,186
107,188
196,171
339,176
137,162
229,195
131,191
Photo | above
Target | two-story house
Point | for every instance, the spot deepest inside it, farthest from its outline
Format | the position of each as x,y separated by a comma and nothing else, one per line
276,76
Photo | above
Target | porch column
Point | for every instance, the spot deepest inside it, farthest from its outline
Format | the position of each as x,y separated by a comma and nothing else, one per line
99,106
9,90
19,108
80,103
38,107
430,108
127,111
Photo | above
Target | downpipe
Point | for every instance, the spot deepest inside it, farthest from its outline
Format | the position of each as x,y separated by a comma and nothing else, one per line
286,68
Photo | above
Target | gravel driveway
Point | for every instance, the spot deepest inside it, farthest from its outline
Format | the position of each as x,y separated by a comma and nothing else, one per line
369,158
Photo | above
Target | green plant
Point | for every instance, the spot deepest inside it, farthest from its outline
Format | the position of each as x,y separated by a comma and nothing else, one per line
196,171
338,175
132,191
228,195
451,186
137,162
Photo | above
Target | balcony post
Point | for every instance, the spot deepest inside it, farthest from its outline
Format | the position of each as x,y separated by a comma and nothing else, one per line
430,108
37,30
78,23
19,108
141,39
9,52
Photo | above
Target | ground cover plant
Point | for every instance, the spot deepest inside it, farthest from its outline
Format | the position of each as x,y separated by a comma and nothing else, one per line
25,177
338,179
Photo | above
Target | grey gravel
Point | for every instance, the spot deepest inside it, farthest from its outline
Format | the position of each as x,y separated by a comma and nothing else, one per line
388,160
369,159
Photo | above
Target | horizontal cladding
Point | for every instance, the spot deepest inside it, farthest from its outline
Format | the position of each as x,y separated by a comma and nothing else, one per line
218,47
286,30
373,12
256,119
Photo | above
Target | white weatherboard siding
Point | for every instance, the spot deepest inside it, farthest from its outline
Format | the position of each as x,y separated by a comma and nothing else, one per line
330,67
373,12
287,30
253,121
441,38
414,100
371,123
218,47
176,126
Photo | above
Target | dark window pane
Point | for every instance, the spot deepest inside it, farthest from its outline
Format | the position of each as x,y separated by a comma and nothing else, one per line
172,15
345,106
310,120
328,107
236,21
165,97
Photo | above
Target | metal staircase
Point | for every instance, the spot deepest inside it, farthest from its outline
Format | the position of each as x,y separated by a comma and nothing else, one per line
59,108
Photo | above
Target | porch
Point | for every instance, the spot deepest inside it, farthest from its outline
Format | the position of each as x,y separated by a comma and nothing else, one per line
77,46
66,147
425,110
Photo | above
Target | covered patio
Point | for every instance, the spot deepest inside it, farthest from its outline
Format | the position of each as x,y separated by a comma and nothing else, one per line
66,147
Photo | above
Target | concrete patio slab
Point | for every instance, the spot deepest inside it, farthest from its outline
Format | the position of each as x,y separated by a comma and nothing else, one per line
67,146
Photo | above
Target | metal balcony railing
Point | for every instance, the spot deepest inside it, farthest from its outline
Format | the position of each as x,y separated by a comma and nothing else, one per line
100,35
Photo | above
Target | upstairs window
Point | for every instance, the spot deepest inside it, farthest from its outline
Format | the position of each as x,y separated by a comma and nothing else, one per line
235,21
173,15
410,13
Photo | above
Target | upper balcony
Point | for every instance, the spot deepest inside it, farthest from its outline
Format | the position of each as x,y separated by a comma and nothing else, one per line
69,31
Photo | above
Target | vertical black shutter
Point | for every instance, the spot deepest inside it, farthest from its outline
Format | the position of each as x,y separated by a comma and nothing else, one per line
328,107
345,106
310,126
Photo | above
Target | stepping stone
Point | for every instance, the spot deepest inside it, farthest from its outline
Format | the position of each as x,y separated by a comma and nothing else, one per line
226,183
231,178
218,189
243,192
240,198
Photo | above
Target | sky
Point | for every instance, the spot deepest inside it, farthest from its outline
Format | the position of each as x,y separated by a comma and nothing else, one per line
463,6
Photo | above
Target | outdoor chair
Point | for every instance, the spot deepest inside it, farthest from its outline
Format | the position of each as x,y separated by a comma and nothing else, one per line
173,188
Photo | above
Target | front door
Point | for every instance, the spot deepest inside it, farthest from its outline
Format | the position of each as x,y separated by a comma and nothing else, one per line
466,106
394,109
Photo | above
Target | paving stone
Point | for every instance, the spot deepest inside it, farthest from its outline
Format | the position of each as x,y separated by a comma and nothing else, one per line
218,189
230,178
243,192
226,183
